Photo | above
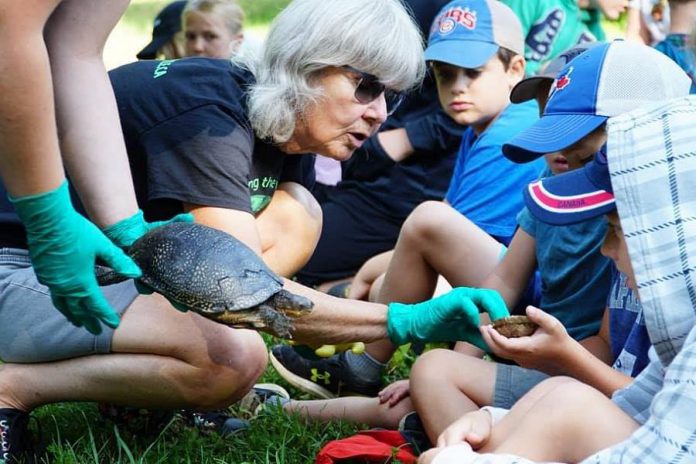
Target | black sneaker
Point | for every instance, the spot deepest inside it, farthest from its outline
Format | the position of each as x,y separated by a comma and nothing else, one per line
17,443
220,422
324,378
412,430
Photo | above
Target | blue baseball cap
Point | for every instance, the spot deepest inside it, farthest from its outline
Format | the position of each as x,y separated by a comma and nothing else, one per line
467,33
574,196
604,81
528,88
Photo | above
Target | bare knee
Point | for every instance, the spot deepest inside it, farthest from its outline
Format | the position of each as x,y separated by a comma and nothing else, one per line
430,368
439,368
230,370
427,220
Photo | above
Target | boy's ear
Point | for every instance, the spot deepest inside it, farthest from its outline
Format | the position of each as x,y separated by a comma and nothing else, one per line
516,69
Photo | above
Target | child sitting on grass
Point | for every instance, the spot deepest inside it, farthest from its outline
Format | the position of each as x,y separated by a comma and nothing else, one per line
651,167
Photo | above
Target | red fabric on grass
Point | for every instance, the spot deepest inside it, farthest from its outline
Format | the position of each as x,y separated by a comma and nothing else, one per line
370,445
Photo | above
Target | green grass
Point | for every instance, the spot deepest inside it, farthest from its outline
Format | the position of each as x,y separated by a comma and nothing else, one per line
76,433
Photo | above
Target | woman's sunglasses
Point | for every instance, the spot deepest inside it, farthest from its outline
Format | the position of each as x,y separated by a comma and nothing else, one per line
369,88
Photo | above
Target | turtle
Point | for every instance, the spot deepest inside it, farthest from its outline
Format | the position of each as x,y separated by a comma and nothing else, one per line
208,271
515,326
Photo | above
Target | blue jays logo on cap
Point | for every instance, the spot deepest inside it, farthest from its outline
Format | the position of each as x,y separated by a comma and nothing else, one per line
563,79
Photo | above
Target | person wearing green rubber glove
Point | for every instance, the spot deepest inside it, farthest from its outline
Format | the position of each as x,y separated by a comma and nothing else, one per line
453,316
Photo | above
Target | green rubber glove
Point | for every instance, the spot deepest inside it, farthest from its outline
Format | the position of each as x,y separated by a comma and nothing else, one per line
63,246
128,230
451,317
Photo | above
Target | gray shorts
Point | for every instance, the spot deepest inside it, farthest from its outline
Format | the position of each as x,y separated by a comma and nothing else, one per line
512,382
32,330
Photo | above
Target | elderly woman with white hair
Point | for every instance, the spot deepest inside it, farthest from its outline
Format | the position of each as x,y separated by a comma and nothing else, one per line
223,141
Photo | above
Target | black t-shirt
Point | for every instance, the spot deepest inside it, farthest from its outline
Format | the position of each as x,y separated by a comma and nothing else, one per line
189,141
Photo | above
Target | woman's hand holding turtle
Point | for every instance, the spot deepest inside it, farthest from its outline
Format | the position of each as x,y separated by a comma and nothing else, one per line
64,247
453,316
546,349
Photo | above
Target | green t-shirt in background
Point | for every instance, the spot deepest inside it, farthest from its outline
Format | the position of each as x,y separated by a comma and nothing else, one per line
550,28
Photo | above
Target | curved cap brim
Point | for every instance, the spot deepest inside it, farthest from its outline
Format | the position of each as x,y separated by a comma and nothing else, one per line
527,89
468,54
567,198
550,134
150,50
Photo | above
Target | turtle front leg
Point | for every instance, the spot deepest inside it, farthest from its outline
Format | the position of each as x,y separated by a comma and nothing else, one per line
262,317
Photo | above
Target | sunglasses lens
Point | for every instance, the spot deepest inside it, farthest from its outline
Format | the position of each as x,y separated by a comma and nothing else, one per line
368,90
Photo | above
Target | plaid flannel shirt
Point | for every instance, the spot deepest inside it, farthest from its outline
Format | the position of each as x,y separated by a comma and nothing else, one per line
652,162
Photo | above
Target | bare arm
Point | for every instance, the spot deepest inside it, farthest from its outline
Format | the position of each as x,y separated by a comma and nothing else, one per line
396,144
512,273
239,224
30,161
338,320
92,144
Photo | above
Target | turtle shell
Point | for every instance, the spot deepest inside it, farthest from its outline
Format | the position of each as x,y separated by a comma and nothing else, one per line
203,269
515,326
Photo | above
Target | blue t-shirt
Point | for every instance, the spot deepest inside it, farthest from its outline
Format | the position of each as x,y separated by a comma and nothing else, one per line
486,187
575,277
627,332
676,46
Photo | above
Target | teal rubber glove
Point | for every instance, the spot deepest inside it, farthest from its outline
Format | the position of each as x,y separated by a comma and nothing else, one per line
451,317
64,246
128,230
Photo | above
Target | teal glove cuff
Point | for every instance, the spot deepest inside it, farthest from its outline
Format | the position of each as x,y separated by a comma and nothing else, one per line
127,231
398,323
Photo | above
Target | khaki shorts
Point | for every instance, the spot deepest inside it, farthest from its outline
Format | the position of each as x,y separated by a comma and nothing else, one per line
32,330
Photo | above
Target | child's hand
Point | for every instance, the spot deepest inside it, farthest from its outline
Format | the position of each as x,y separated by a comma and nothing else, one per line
394,392
473,428
544,350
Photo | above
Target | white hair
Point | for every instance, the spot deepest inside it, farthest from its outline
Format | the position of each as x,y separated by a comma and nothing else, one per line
376,36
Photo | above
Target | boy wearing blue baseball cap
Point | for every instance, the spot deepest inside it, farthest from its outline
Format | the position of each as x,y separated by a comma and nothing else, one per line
646,182
576,197
476,51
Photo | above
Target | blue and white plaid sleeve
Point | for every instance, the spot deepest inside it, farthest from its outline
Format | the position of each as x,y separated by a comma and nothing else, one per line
669,435
635,398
